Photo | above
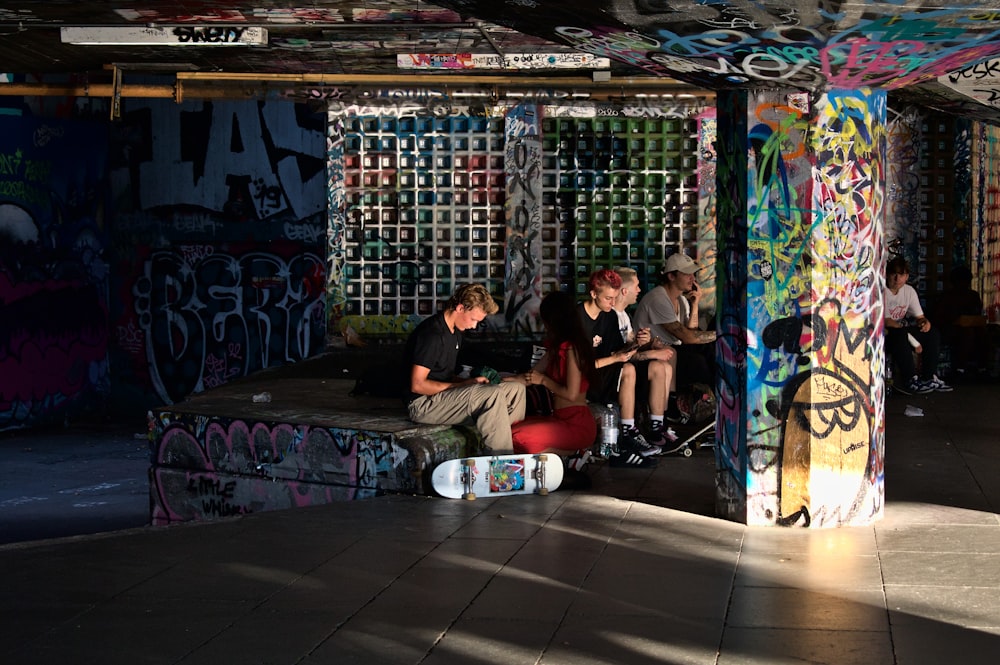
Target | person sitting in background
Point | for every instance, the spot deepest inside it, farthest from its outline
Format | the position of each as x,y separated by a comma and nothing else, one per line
614,376
904,317
959,315
436,396
653,360
565,370
670,311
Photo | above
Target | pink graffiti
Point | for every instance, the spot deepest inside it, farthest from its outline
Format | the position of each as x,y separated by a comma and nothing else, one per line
869,63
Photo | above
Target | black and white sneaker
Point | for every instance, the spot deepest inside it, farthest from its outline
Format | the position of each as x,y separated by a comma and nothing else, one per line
630,460
632,440
661,436
935,383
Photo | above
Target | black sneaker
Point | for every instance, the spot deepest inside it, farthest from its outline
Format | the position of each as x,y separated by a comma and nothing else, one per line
630,460
661,436
632,440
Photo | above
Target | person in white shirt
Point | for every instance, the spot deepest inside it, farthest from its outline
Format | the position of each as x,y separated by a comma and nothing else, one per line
904,318
654,361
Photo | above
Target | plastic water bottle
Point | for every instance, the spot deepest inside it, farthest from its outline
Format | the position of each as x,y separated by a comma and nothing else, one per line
609,431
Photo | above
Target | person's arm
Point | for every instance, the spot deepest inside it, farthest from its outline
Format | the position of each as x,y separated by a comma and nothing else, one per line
914,309
621,356
422,384
689,335
569,391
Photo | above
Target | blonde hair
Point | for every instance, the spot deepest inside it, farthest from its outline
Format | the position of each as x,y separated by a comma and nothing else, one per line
627,275
471,296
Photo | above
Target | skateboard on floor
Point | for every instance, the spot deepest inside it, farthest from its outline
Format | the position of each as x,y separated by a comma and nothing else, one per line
497,475
686,446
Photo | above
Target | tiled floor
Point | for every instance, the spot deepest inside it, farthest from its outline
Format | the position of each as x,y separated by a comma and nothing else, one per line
634,571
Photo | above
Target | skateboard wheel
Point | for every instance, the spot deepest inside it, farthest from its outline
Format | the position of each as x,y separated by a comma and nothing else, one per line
688,452
543,458
471,496
468,462
542,491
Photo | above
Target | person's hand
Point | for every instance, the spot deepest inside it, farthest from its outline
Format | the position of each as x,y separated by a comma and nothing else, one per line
923,325
694,294
625,356
643,336
662,353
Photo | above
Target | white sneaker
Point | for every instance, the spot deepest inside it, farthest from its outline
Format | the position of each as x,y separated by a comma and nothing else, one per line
937,384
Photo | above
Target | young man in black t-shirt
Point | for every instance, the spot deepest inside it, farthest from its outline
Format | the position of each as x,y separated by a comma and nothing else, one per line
436,396
614,376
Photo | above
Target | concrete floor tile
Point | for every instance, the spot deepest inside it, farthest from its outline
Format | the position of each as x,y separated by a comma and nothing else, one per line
902,513
968,607
697,590
930,642
941,569
829,571
635,640
503,599
377,642
502,525
265,636
763,607
133,630
984,539
487,641
846,541
763,646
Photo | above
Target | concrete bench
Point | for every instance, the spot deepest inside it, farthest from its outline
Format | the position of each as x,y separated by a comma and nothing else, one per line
219,453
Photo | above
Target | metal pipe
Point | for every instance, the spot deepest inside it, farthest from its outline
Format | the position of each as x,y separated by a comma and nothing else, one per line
194,85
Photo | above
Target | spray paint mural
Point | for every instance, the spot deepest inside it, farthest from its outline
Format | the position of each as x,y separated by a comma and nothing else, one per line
219,226
812,399
523,175
207,467
523,199
986,247
804,45
53,271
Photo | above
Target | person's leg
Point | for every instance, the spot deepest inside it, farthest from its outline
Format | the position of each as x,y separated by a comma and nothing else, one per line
498,409
566,431
659,374
493,407
931,341
626,392
898,347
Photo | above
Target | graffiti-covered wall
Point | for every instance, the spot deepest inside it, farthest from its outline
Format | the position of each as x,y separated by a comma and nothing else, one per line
53,270
219,229
811,307
523,199
986,243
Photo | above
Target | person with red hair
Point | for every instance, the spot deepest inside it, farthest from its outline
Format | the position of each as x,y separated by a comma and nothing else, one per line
614,376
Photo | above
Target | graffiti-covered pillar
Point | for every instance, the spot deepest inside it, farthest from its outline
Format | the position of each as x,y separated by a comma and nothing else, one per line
523,212
801,400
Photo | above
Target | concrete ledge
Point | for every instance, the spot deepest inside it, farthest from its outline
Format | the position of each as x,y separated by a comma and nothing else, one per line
220,454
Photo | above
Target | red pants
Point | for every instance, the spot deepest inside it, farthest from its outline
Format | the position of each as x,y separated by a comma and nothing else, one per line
571,428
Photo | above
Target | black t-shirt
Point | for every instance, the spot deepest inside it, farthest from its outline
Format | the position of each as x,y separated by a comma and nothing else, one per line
434,346
605,329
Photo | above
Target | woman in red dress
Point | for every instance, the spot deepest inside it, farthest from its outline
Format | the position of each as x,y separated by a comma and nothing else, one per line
565,370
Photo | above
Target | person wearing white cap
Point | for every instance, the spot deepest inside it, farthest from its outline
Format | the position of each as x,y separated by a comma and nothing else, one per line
670,311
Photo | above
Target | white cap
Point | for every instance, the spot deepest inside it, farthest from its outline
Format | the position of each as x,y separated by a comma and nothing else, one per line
681,262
